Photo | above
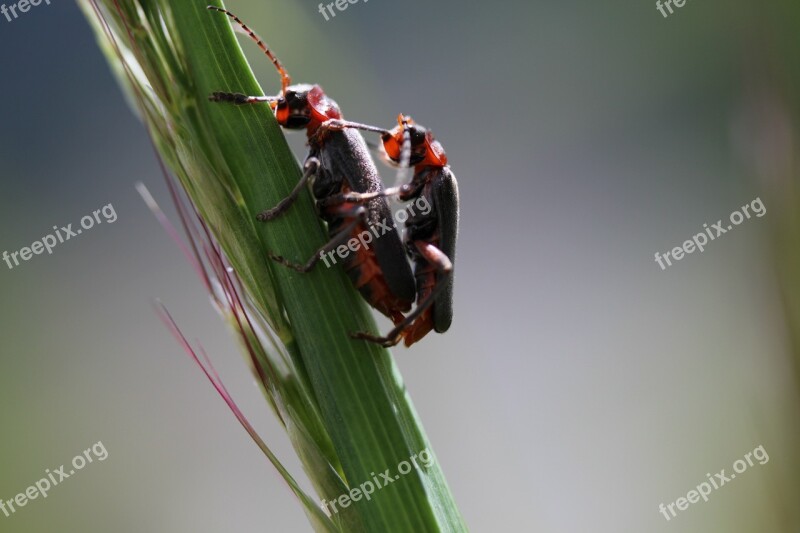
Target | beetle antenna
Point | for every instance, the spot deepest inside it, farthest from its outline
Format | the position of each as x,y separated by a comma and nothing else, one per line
405,152
286,80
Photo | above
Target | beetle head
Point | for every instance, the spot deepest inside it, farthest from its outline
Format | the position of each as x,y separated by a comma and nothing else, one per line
419,143
303,105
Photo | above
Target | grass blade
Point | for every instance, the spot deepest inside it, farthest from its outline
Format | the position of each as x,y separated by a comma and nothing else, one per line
342,401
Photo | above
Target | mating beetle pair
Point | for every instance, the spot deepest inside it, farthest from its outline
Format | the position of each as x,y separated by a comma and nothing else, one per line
350,198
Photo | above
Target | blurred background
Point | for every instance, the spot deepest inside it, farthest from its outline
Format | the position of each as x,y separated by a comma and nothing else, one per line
580,385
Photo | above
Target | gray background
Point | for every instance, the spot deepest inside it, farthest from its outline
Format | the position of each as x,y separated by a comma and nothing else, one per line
579,387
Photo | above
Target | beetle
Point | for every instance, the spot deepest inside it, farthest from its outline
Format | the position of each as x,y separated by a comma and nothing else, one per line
338,164
430,237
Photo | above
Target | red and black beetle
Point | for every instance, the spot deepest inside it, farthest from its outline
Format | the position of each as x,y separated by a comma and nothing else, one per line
340,164
430,237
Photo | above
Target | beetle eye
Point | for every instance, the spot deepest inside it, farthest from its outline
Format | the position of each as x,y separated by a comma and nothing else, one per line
417,135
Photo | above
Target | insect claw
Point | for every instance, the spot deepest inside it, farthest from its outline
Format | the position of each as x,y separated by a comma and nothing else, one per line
267,215
285,262
383,341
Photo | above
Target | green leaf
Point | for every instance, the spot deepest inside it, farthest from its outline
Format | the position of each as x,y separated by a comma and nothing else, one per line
342,401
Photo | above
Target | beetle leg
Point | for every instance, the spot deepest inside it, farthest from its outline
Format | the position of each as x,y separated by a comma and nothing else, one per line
336,124
242,99
358,213
356,197
339,125
311,167
444,267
